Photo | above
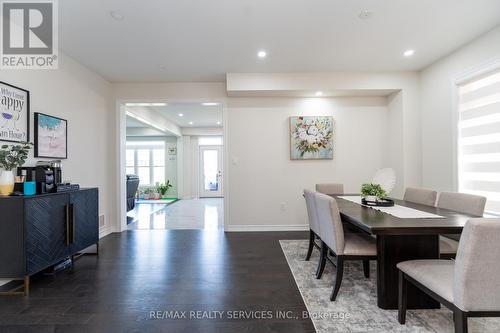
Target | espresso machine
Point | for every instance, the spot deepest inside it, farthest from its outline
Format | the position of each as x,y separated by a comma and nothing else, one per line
46,174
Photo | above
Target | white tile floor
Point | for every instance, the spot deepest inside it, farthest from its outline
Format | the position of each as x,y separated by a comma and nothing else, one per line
205,213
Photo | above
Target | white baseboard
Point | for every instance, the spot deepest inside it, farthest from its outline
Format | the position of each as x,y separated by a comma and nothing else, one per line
104,231
267,227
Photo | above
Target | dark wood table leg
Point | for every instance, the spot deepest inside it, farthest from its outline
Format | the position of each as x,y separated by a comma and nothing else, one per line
392,249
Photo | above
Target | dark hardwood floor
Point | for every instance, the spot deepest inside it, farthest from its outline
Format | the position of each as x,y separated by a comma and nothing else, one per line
138,272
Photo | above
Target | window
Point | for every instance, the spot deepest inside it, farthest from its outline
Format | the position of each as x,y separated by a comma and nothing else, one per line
146,159
479,138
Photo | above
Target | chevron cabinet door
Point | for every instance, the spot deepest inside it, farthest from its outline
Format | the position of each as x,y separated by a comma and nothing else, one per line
85,218
45,221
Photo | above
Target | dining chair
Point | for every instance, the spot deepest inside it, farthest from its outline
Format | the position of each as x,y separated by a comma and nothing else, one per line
345,246
420,196
313,222
330,188
462,203
468,286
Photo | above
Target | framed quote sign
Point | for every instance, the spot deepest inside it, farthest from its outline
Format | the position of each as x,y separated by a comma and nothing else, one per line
14,113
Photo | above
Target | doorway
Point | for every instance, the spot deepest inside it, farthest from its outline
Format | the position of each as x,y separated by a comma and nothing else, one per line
197,150
211,169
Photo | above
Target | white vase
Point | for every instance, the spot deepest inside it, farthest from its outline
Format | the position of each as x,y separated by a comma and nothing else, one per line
6,182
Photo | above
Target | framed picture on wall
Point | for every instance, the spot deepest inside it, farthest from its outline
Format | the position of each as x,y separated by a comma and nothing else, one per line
311,138
14,113
51,136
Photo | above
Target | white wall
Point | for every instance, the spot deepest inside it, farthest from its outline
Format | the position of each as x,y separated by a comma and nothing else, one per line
266,186
83,98
257,139
437,107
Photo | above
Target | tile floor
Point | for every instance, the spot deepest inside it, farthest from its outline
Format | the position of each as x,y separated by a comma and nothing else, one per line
204,213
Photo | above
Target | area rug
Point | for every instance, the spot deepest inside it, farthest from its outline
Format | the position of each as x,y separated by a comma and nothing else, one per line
355,309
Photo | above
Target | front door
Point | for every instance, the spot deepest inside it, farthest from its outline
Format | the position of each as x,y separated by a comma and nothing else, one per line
211,171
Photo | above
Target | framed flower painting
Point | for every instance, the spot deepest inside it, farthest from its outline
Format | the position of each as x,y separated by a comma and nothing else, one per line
311,138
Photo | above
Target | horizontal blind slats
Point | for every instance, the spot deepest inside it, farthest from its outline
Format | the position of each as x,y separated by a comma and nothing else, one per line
479,138
480,93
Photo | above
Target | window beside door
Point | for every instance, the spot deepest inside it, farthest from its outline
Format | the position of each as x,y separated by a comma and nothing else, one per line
146,159
479,138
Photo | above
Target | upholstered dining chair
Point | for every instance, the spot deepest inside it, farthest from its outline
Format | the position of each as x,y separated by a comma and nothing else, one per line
462,203
469,286
313,222
330,188
420,196
348,246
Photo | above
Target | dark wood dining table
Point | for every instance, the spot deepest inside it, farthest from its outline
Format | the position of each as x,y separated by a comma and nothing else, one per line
401,239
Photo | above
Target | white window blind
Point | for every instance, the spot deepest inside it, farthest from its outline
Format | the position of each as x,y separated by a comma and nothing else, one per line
479,138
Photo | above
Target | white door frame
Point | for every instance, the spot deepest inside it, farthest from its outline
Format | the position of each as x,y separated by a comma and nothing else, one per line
220,192
121,138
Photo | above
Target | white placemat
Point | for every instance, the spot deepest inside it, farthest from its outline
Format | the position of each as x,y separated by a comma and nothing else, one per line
397,210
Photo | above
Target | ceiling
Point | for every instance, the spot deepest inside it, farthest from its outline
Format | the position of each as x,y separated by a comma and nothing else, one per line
201,40
199,115
133,123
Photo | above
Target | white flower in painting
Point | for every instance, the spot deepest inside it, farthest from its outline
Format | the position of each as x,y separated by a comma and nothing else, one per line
319,136
310,122
313,130
311,139
303,135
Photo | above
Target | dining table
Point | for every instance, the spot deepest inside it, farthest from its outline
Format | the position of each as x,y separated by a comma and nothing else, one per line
400,239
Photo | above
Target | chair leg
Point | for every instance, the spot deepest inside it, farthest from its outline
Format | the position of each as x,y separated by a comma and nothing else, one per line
460,319
402,298
366,268
311,245
322,260
338,278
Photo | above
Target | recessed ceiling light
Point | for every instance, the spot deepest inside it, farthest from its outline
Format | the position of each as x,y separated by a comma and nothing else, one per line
262,54
116,15
209,104
319,93
218,123
181,114
365,14
409,53
190,123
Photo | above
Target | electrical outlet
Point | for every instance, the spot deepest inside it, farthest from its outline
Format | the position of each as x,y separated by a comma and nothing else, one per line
102,222
283,206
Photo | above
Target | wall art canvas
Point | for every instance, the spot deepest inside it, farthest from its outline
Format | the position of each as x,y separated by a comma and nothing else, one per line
14,113
311,138
51,136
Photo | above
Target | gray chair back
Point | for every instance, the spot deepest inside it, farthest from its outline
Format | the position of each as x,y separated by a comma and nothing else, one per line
462,203
477,268
331,188
420,196
311,211
330,224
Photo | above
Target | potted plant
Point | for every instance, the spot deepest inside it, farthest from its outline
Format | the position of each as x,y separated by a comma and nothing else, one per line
11,157
373,192
163,188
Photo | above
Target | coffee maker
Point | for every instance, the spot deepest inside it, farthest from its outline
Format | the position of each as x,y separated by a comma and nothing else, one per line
46,174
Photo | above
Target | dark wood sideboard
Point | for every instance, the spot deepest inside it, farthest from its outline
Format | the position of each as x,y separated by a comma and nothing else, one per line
37,232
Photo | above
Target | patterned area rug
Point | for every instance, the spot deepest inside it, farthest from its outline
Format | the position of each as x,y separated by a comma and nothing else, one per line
355,309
